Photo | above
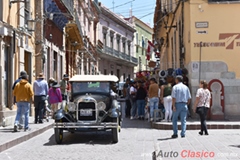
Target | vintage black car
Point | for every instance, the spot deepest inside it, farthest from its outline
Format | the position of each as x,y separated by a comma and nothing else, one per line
93,106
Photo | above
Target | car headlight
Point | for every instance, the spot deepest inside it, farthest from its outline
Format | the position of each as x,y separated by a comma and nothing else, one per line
101,106
71,106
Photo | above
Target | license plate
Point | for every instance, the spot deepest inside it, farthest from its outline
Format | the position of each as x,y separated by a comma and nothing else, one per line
85,112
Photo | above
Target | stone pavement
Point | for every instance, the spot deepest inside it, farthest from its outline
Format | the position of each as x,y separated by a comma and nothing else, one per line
8,138
195,125
219,144
137,141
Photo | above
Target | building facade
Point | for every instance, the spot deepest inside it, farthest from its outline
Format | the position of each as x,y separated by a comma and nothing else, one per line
16,51
115,45
202,36
57,14
142,35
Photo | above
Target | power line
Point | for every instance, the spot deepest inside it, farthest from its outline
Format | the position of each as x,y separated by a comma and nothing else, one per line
122,4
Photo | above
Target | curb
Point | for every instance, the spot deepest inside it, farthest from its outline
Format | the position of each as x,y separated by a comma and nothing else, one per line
21,139
164,126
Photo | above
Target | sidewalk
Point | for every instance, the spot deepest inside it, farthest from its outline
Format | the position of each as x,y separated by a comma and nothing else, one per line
8,138
195,125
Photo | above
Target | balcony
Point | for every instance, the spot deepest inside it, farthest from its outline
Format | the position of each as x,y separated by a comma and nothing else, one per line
134,60
66,6
74,30
119,55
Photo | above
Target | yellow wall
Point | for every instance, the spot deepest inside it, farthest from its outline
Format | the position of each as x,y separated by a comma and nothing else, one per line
222,19
11,16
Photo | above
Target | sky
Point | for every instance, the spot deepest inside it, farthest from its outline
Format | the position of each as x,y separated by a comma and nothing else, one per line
142,9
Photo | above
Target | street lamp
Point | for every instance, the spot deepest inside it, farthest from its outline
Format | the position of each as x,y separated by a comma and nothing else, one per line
31,25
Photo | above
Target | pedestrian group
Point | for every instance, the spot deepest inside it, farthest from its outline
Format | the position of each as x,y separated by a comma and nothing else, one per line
41,94
144,97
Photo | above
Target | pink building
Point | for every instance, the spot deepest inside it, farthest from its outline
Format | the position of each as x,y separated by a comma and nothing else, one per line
115,45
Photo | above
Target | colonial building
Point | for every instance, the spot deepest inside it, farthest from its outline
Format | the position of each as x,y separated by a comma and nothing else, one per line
88,16
115,45
143,34
203,36
16,50
57,14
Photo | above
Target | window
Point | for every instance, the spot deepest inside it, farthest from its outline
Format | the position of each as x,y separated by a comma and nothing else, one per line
26,12
143,42
129,48
111,72
137,42
105,39
55,62
111,40
105,72
124,46
137,48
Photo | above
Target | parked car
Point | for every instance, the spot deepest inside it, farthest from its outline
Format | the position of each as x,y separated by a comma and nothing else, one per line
93,106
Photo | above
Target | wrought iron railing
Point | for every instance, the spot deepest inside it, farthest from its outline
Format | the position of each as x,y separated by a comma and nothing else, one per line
134,60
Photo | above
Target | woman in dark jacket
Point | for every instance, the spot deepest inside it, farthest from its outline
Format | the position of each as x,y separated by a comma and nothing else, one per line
141,97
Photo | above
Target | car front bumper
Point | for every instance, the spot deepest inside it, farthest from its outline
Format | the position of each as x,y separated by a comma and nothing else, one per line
103,125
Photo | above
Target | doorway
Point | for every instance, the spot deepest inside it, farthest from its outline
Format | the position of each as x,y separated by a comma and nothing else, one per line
5,74
28,65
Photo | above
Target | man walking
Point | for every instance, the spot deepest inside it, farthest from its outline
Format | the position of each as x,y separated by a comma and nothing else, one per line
22,73
40,88
24,93
181,97
153,96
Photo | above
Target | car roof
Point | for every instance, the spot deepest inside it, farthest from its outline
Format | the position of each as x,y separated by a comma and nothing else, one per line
94,78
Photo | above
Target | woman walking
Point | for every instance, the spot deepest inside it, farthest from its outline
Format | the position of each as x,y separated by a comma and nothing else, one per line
202,104
55,96
166,99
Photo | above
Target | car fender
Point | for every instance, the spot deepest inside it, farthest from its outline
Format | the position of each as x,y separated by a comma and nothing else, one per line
59,114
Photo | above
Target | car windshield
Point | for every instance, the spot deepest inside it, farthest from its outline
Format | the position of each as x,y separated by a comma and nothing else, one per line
85,87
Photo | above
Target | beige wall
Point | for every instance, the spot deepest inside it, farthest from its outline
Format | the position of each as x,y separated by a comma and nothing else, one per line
220,22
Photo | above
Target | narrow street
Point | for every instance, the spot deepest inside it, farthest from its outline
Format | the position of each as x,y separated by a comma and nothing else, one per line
137,142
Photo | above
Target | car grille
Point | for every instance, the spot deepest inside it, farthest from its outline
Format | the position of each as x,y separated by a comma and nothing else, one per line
86,111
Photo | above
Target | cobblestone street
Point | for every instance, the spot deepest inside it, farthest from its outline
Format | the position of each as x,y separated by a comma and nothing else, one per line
137,142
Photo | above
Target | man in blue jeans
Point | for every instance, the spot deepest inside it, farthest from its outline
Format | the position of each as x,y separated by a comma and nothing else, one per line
24,95
181,97
153,96
22,73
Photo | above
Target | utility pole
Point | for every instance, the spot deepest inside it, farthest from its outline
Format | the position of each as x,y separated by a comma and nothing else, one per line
39,39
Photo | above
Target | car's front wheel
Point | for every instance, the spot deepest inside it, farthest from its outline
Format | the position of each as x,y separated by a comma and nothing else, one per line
58,135
115,132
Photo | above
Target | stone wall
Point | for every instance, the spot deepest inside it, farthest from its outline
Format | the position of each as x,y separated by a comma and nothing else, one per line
218,70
